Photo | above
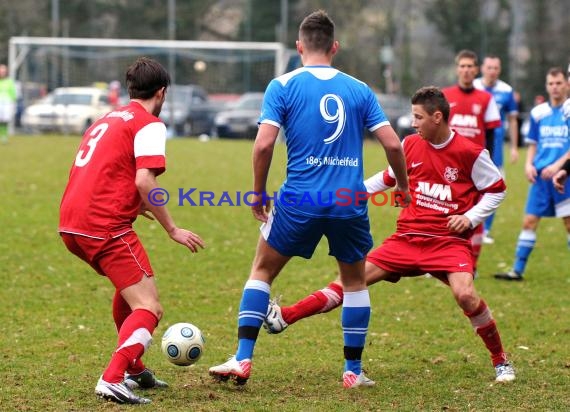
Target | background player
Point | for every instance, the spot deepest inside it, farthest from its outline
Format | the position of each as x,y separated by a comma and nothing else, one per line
323,112
473,114
7,102
505,98
109,184
548,145
447,174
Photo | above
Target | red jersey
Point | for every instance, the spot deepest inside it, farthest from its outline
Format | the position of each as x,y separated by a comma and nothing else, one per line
444,180
101,199
472,112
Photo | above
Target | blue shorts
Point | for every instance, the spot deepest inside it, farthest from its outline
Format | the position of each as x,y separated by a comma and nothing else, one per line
293,234
544,201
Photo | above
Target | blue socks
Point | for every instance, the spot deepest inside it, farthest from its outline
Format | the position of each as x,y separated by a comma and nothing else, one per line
355,318
252,311
525,245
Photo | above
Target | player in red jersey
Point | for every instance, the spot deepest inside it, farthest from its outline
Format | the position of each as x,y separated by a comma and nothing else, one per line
455,186
111,182
473,114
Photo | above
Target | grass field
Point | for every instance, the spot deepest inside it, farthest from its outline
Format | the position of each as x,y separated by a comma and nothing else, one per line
57,331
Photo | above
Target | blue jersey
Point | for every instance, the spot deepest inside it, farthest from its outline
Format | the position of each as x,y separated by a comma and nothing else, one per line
323,113
505,99
549,131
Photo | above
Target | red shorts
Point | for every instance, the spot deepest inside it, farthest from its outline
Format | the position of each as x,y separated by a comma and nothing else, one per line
407,255
122,259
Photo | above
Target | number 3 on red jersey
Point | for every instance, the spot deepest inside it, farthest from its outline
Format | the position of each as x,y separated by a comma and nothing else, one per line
96,134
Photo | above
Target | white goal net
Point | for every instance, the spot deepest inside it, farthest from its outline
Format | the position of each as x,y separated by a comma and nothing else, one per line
219,67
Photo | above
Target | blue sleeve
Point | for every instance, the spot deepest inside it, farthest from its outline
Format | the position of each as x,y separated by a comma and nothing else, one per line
566,111
374,113
273,106
511,105
534,131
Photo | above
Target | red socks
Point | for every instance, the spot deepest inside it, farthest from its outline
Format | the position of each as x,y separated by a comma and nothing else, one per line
486,327
321,301
121,310
135,336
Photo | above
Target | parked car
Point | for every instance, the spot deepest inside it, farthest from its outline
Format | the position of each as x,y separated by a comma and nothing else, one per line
239,120
403,125
193,112
66,110
28,93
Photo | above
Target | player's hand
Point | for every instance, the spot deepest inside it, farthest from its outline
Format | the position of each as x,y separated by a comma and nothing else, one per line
261,205
549,171
458,223
187,238
559,180
530,172
403,198
514,154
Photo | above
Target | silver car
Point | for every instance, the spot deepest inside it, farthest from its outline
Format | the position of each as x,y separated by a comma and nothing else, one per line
69,110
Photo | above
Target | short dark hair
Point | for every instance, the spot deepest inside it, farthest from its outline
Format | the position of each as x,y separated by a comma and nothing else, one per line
145,77
317,31
466,54
555,71
432,99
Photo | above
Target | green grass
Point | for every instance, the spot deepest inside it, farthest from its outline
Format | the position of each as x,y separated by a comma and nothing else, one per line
57,331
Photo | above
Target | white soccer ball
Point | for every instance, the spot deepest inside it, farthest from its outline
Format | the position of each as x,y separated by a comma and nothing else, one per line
183,344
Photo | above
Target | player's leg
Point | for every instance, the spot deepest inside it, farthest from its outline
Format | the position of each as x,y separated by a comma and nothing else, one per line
354,319
267,264
539,204
381,264
349,242
482,321
125,256
321,301
126,264
525,245
138,376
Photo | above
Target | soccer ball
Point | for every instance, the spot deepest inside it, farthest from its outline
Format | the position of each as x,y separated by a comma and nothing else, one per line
183,344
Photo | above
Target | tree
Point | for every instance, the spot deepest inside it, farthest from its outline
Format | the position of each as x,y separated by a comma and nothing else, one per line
483,26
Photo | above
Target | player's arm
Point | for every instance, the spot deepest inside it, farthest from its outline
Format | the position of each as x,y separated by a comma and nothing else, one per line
262,156
549,171
530,170
145,182
514,136
488,180
380,182
396,159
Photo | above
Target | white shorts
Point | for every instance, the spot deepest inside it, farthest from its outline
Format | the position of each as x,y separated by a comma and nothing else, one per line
6,111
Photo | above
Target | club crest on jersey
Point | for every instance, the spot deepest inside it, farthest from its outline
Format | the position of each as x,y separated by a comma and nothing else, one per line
451,174
476,109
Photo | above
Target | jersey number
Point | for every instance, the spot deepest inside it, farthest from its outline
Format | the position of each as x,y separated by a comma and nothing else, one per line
339,117
96,134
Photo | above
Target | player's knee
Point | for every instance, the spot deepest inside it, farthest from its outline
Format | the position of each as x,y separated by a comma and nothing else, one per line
158,311
466,300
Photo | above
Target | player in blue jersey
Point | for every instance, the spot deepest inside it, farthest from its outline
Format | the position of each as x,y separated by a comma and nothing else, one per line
505,99
548,145
323,113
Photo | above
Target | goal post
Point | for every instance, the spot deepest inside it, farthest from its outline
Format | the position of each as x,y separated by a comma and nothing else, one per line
218,66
